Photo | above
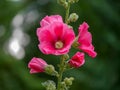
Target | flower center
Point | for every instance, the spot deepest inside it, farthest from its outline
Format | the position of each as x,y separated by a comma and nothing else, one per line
58,44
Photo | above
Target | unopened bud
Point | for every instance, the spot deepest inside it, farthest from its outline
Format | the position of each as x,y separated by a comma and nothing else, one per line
73,17
49,69
68,81
65,56
63,3
73,1
49,85
63,86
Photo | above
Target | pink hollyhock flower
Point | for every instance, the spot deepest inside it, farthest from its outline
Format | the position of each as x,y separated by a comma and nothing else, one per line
85,40
37,65
55,38
50,19
77,60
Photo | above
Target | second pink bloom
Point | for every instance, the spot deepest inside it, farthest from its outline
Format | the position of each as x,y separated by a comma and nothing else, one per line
85,40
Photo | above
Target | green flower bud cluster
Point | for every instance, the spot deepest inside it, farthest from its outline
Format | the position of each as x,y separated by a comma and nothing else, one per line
68,81
49,85
73,1
64,3
65,85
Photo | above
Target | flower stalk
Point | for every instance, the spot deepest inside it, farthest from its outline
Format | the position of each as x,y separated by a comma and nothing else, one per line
61,70
62,63
67,13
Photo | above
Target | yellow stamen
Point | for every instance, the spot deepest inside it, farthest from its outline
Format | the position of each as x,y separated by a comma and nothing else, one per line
59,45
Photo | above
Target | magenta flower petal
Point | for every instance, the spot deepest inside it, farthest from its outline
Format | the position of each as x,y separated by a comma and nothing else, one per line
46,48
37,65
45,34
77,60
55,38
85,40
89,49
50,19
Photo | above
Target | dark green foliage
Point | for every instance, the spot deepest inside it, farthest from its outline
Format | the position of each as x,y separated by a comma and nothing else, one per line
101,73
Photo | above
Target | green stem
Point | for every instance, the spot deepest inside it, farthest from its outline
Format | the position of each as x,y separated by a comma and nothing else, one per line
62,63
67,13
61,70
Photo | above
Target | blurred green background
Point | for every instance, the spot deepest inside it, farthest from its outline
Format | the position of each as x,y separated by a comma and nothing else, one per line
18,44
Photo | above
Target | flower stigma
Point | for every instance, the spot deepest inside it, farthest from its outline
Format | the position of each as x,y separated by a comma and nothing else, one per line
59,45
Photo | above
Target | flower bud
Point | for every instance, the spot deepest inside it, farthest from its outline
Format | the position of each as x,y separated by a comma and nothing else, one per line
49,69
63,3
73,17
77,60
65,56
68,81
49,85
63,86
37,65
73,1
